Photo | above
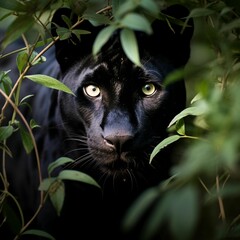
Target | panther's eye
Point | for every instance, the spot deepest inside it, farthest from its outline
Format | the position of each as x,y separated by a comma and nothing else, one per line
92,90
148,89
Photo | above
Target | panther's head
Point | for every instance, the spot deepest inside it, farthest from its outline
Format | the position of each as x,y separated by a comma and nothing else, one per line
121,111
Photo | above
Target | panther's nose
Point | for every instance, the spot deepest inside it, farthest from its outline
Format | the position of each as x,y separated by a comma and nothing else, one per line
118,142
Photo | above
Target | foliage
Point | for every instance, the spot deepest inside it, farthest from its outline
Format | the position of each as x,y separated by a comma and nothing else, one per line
200,200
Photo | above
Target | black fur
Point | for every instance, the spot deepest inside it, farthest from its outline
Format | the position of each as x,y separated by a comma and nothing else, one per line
110,136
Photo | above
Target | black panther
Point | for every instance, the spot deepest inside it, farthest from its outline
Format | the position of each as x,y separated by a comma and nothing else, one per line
109,127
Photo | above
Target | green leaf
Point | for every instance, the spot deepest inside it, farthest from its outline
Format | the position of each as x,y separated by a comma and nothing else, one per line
150,6
96,19
77,176
5,132
200,12
125,8
102,38
39,233
59,162
13,5
46,183
186,207
130,45
57,194
137,22
180,127
49,82
63,33
22,60
194,111
33,124
139,208
157,216
19,26
164,143
230,26
26,140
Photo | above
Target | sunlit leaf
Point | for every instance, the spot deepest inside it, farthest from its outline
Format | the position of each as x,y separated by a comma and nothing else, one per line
130,45
49,82
180,127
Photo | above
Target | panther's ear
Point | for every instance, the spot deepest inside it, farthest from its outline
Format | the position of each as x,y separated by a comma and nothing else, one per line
171,38
70,50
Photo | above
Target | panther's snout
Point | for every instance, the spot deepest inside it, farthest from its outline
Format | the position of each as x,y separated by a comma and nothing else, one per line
120,143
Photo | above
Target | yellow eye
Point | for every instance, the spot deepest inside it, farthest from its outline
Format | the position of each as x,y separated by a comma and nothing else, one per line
148,89
92,90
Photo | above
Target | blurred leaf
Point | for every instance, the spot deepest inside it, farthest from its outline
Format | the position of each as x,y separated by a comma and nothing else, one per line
5,132
137,22
174,76
164,143
49,82
139,208
19,26
102,38
124,8
230,26
26,140
57,194
130,45
150,6
77,176
186,207
97,19
38,233
158,215
59,162
13,5
78,6
200,12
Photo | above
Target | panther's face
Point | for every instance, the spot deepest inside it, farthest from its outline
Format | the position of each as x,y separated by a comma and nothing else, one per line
120,111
